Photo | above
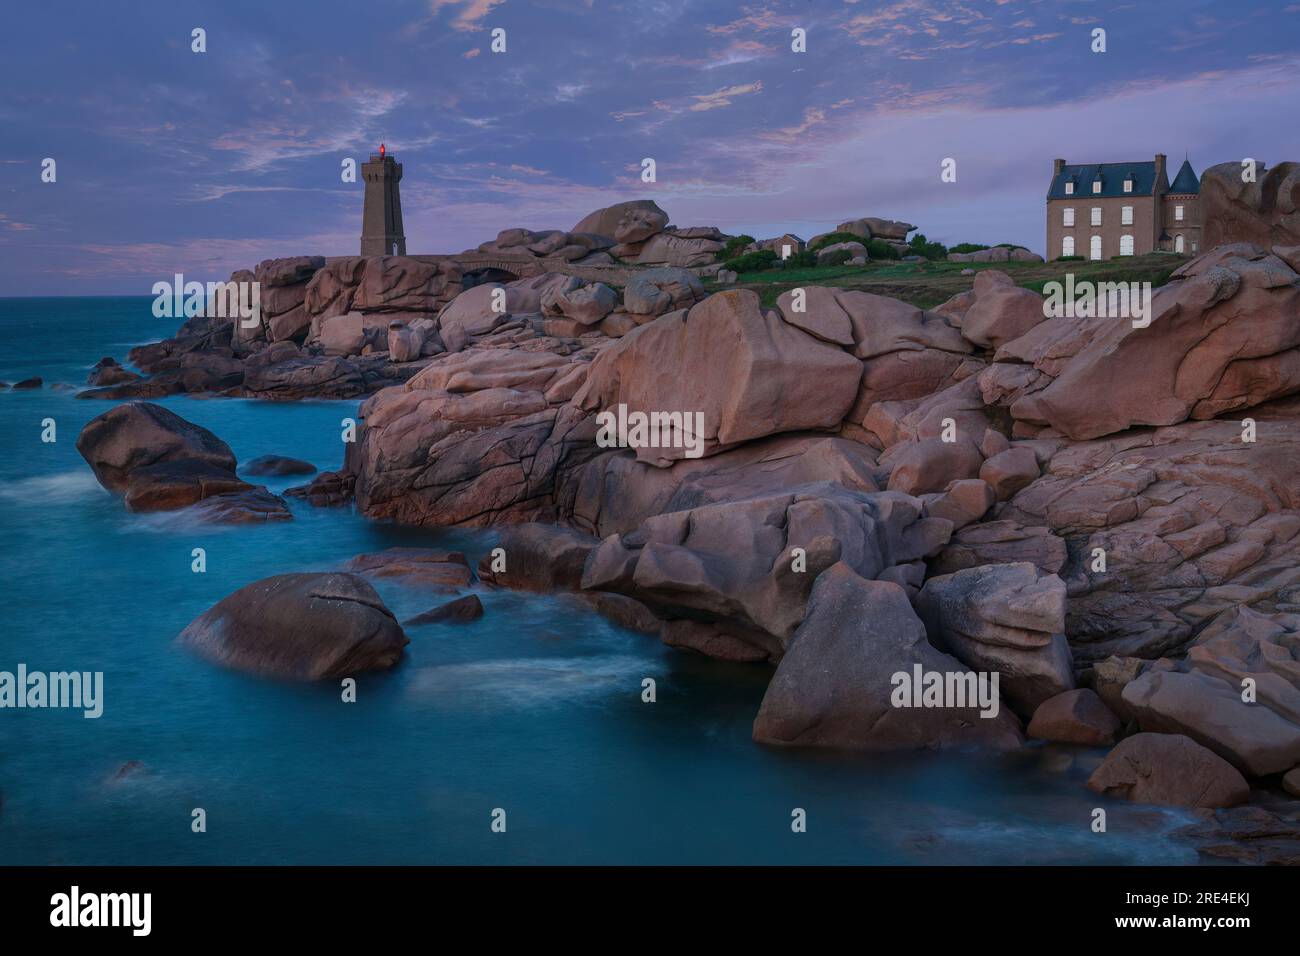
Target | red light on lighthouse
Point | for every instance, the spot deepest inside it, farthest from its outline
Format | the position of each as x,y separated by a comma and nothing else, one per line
382,151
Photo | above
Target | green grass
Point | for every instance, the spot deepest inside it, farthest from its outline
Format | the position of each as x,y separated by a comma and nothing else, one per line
927,284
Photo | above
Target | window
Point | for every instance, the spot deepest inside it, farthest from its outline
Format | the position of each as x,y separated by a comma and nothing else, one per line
1068,216
1069,189
1178,243
1096,186
1128,185
1126,245
1178,214
1126,216
1096,215
1193,245
1094,248
1067,246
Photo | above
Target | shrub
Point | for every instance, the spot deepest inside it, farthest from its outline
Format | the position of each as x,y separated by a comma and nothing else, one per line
967,247
752,261
1069,259
733,246
922,247
880,249
800,260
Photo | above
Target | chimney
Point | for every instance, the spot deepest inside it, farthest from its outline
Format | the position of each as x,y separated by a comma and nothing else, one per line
1057,166
1160,171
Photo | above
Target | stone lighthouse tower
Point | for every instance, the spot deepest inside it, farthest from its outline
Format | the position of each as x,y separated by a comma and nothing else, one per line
381,222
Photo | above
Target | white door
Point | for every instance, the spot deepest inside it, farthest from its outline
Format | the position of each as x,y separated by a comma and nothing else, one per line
1178,243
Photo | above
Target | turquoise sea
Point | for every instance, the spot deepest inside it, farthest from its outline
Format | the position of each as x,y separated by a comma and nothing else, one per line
536,708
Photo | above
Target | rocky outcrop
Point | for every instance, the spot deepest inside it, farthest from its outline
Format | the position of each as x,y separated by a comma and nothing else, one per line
1223,337
1237,691
476,438
1008,618
836,684
613,493
746,373
1168,770
299,627
1265,212
1165,529
751,562
996,311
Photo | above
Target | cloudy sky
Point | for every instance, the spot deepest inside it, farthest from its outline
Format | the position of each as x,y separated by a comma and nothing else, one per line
172,161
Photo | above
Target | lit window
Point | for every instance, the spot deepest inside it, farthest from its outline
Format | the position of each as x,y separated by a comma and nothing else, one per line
1178,213
1096,215
1069,189
1067,246
1094,250
1126,216
1126,245
1096,186
1068,219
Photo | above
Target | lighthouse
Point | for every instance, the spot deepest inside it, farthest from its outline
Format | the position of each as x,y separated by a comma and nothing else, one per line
381,219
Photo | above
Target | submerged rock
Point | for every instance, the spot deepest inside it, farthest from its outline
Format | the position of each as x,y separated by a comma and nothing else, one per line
425,567
468,608
278,465
299,627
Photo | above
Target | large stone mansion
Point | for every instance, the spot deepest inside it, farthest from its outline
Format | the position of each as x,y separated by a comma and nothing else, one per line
1104,210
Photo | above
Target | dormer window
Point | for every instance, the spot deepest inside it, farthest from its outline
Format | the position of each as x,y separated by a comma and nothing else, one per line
1069,189
1128,185
1096,185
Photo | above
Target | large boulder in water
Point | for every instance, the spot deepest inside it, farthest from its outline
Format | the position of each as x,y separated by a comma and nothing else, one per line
139,434
299,627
